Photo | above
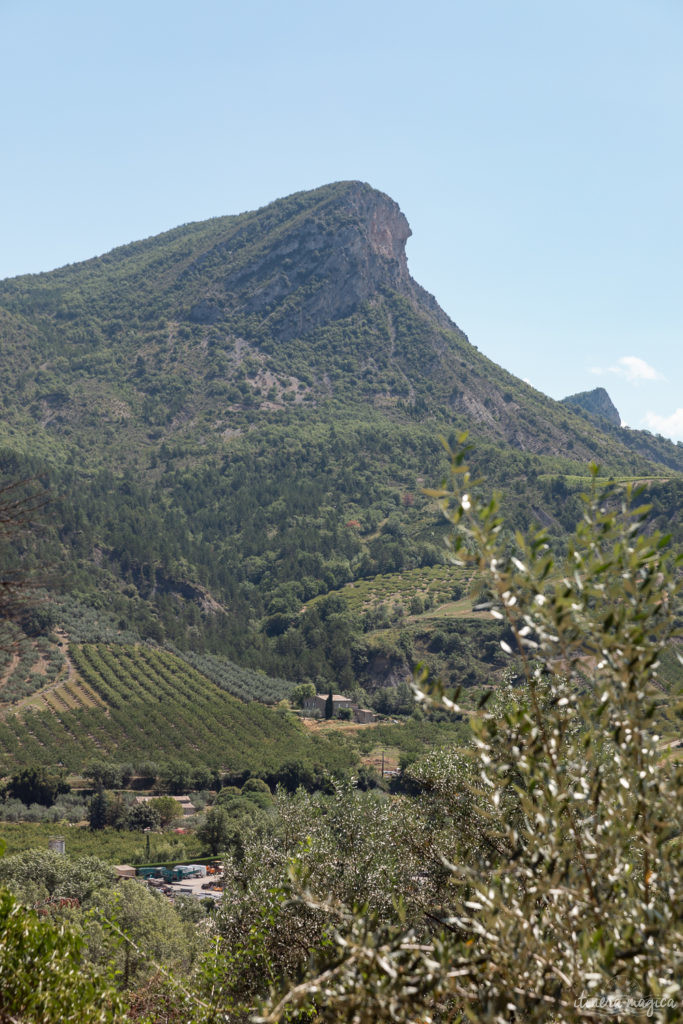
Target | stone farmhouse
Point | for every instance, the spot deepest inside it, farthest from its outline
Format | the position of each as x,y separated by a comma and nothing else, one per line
317,705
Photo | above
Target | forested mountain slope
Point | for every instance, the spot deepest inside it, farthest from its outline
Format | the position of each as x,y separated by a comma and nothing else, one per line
212,326
237,416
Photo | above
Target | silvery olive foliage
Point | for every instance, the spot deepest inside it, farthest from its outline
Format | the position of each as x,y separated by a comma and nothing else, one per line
351,846
559,833
44,978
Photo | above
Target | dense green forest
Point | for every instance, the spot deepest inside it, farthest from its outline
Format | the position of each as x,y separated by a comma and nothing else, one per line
250,555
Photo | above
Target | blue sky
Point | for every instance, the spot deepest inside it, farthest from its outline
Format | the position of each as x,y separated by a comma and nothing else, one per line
536,148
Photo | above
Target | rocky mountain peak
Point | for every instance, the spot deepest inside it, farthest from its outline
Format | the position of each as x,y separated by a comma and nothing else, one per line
311,258
596,403
387,229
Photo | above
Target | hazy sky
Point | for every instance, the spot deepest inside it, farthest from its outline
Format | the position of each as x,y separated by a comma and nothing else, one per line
535,146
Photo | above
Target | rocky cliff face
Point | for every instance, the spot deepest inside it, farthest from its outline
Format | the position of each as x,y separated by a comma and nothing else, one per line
322,265
596,403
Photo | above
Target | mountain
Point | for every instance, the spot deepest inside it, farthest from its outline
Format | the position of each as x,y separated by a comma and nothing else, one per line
596,403
306,301
233,421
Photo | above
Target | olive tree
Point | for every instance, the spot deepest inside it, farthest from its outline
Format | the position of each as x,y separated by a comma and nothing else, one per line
169,810
566,895
45,977
215,832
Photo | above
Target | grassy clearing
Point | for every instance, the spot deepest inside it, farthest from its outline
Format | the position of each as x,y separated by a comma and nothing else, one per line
383,758
462,609
392,737
411,737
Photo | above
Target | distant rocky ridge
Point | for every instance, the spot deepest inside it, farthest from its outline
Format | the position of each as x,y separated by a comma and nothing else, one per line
597,403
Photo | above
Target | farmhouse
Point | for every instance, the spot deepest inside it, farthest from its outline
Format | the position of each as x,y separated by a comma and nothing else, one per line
319,702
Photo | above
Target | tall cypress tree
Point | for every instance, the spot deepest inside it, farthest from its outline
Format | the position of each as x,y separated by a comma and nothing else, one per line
329,705
98,810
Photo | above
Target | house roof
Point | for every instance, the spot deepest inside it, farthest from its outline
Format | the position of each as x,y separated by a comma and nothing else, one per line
184,800
336,697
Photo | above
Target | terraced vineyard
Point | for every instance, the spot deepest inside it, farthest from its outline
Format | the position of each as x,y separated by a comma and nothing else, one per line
669,672
244,683
68,693
431,586
147,704
26,665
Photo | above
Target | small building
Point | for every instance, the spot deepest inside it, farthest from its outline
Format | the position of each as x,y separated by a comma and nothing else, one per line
188,808
124,871
363,715
319,703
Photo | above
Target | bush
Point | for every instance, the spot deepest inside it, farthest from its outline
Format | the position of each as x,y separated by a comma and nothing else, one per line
561,880
255,786
44,978
142,816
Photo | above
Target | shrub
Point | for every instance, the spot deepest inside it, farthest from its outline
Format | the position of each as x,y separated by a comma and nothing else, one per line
44,978
563,880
